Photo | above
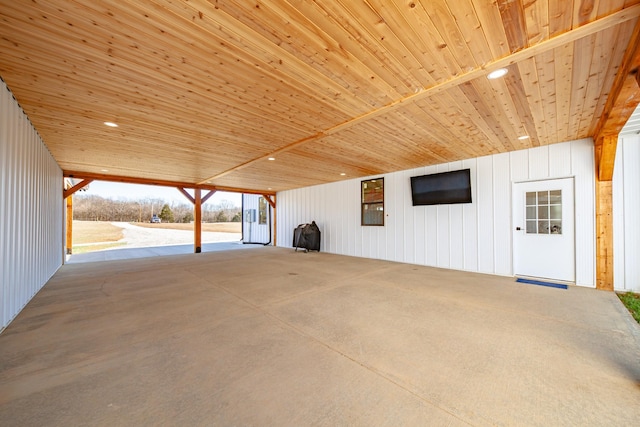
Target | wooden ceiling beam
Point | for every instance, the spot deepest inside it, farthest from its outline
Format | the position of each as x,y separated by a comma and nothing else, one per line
160,183
623,99
593,27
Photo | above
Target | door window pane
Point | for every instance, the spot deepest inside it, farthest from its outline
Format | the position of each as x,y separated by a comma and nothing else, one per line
531,199
543,197
543,212
555,197
556,212
543,227
556,227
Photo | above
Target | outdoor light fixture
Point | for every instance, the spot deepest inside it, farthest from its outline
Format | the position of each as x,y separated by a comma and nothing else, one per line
272,158
111,124
523,137
500,72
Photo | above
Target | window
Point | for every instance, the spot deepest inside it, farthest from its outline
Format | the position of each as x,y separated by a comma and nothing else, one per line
372,208
262,211
544,212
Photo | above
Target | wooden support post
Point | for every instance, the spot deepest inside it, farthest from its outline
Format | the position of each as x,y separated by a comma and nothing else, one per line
69,225
275,229
606,157
197,201
605,153
604,235
272,202
197,222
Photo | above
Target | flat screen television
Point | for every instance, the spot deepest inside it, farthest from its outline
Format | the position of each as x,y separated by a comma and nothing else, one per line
441,188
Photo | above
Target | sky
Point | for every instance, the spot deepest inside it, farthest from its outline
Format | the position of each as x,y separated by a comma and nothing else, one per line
120,191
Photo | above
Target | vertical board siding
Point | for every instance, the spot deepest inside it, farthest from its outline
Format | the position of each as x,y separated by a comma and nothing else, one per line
485,215
471,237
619,253
31,210
502,208
470,225
626,219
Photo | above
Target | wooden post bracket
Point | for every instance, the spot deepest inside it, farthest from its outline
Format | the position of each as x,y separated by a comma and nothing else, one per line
66,192
272,202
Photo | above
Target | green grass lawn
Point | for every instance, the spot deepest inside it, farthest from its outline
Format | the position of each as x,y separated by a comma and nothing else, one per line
632,302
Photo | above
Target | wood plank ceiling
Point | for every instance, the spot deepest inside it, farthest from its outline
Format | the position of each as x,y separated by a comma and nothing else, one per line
205,92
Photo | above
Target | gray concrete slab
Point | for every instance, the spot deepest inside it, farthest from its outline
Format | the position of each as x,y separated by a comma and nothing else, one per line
152,251
269,336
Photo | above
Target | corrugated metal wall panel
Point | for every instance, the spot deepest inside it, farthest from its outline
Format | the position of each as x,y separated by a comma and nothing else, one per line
472,237
626,193
31,210
254,232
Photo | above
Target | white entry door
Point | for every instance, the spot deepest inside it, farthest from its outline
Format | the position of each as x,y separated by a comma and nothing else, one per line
543,235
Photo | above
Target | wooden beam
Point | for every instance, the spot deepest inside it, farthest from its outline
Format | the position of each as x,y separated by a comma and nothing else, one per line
79,186
158,182
69,240
604,235
527,53
187,195
191,199
621,103
625,92
209,194
268,199
197,222
606,157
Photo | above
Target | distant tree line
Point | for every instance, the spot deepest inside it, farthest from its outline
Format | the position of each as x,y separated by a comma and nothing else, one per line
96,208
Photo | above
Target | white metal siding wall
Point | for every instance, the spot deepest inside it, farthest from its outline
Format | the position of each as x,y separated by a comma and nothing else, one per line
255,232
626,215
31,210
471,237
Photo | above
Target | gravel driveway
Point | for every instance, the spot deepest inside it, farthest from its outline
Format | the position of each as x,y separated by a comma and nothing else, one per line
136,237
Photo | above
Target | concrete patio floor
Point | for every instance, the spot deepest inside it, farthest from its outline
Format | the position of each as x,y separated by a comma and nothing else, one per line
153,251
273,337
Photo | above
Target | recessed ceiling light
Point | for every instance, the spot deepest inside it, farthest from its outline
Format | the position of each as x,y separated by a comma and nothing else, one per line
497,73
342,174
111,124
523,137
269,188
272,158
104,170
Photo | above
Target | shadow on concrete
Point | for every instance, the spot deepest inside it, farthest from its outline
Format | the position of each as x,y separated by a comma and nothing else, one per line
152,251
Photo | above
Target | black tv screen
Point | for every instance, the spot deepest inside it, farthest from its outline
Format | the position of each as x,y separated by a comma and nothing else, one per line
442,188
